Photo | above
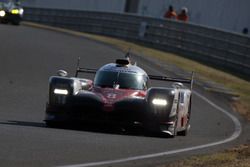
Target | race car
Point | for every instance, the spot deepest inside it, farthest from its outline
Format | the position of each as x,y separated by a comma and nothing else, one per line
10,12
120,94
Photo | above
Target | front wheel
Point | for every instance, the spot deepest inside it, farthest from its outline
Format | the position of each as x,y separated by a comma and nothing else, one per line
184,132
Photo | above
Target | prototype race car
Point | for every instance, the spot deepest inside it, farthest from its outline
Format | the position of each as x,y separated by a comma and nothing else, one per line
10,12
120,94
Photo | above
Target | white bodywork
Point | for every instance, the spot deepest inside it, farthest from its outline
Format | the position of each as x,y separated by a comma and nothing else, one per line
184,108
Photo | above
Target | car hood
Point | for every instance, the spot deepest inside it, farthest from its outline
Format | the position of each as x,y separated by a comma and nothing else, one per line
112,95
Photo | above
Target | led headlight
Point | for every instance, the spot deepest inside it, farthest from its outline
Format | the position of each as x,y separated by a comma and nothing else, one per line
21,11
84,83
15,11
2,13
61,91
159,102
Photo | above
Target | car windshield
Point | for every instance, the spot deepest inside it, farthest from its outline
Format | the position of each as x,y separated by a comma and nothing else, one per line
124,80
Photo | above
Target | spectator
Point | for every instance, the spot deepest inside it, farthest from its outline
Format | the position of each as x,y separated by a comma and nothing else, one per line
183,15
170,14
245,31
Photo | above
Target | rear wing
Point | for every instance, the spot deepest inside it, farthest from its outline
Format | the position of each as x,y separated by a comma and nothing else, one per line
83,70
79,69
153,77
189,81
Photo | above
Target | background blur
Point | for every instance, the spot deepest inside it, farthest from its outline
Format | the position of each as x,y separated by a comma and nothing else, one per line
232,15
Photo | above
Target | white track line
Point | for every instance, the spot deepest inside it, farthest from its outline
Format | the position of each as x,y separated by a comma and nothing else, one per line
236,134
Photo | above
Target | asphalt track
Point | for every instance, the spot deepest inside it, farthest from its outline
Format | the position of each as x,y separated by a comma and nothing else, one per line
29,56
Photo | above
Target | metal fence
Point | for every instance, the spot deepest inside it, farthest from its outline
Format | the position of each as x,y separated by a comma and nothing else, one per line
226,50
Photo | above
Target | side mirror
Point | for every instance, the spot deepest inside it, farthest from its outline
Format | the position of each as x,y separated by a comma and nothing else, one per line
86,84
116,86
177,85
62,73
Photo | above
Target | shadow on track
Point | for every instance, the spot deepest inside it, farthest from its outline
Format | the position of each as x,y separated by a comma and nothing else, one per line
110,129
24,123
98,128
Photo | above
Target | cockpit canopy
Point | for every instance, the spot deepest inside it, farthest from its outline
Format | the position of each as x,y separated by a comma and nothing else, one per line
121,80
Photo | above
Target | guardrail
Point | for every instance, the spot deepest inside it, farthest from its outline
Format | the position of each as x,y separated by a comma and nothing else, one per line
221,49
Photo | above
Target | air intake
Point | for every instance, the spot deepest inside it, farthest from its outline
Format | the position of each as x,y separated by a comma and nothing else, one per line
122,62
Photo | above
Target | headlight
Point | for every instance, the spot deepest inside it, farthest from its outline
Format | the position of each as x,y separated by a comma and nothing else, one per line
2,13
15,11
21,11
159,102
84,83
61,91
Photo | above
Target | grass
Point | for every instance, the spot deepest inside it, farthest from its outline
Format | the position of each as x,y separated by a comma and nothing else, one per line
236,157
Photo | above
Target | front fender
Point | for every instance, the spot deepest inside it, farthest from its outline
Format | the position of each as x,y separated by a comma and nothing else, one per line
161,112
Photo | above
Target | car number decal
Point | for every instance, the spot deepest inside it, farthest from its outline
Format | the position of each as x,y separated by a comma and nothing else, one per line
111,95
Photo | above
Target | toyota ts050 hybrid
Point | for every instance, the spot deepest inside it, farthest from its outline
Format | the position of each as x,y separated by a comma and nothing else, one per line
10,11
120,94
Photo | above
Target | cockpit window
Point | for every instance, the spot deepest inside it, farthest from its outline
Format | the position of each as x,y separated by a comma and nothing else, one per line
124,80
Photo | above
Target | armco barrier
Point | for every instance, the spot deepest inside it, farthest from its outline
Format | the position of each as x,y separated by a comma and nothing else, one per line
221,49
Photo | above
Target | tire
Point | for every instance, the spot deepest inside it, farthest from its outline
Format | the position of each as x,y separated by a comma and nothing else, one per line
184,132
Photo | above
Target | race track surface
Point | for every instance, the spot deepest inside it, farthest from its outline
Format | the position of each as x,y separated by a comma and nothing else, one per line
28,57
